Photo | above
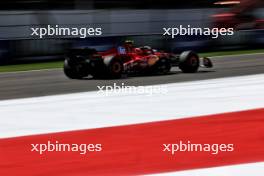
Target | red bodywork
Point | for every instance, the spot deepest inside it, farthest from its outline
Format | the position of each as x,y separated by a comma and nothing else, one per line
135,58
240,16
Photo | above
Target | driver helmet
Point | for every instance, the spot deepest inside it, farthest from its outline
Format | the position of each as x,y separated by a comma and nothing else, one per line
128,44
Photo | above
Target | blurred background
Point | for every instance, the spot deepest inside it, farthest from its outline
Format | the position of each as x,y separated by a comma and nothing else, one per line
138,20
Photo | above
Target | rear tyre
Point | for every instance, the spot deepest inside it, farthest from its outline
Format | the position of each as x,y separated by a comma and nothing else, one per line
77,63
74,70
189,62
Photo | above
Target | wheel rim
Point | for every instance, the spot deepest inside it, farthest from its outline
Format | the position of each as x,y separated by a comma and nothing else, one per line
193,61
116,67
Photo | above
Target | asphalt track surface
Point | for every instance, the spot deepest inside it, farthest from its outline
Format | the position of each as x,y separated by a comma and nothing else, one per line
52,82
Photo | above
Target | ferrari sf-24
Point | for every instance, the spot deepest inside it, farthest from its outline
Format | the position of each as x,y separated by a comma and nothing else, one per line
126,59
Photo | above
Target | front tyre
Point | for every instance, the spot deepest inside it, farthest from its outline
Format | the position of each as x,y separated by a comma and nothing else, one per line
189,62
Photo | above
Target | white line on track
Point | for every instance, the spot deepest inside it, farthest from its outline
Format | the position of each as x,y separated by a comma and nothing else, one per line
92,110
252,169
236,55
28,71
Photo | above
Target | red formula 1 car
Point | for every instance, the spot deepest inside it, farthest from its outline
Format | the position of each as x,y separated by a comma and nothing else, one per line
126,59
